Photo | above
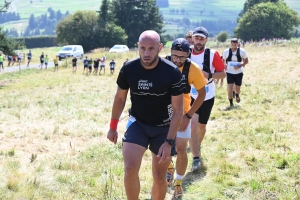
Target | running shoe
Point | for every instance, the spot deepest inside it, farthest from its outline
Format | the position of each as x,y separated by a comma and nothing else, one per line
178,191
196,165
170,173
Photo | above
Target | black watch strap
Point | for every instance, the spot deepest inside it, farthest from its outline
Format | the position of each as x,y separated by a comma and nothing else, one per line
170,141
188,116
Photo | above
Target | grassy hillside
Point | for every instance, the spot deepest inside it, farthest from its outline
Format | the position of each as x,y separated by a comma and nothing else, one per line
212,10
53,135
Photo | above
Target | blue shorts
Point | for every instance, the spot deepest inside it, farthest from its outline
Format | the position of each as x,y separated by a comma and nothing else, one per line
145,135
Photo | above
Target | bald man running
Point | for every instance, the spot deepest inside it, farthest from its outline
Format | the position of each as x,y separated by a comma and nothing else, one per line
156,112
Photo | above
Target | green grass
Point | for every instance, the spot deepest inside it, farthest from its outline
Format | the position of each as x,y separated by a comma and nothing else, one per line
53,134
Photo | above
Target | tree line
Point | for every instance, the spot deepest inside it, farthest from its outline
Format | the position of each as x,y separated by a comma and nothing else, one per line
117,22
44,24
9,16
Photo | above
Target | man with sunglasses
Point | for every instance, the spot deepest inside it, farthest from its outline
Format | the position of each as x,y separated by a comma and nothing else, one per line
235,59
191,75
212,67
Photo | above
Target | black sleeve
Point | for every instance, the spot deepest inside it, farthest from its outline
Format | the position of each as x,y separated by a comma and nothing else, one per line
122,79
177,87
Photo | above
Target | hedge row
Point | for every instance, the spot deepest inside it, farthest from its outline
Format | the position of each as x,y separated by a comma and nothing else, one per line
38,42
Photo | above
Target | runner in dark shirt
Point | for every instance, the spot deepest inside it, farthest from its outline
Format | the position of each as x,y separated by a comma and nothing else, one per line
90,63
42,60
156,92
74,64
29,57
96,66
85,64
112,66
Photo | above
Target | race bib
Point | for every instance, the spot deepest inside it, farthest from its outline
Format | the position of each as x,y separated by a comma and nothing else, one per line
194,91
207,89
232,64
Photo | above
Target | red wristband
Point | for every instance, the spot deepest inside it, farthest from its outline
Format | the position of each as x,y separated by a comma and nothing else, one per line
114,124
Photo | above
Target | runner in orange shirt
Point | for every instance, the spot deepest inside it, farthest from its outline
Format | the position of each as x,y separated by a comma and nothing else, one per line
191,75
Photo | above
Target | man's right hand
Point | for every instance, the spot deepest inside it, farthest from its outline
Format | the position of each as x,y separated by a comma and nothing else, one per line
112,135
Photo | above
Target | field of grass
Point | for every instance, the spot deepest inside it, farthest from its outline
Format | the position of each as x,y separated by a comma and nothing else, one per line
53,135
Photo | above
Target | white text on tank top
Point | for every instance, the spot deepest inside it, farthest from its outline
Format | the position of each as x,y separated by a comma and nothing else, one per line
210,88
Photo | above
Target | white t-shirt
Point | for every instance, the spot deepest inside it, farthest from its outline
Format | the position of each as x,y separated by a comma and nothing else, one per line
103,61
210,87
234,60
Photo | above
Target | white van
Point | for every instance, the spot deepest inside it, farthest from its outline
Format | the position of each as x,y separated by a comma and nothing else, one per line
71,51
118,48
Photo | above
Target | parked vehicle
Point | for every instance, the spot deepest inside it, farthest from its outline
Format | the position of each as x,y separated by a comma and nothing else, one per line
118,48
71,51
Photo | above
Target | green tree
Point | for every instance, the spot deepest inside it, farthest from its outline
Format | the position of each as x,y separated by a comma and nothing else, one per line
222,36
7,45
250,3
268,20
137,16
78,28
83,28
32,22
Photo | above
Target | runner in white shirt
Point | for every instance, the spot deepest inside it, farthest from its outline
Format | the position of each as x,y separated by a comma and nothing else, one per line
212,67
235,60
102,65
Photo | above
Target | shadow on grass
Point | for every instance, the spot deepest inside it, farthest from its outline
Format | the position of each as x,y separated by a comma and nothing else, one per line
235,107
3,85
193,176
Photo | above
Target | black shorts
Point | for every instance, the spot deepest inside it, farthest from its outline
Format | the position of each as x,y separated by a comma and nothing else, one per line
74,65
205,110
90,67
96,66
56,65
112,68
144,135
235,78
29,58
19,59
85,66
42,61
102,66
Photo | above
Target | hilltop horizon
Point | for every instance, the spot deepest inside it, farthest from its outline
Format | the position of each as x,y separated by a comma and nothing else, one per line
177,10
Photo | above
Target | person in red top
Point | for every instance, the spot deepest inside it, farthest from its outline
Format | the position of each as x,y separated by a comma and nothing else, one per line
212,68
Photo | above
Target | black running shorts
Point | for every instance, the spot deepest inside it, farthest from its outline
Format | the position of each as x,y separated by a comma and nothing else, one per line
144,135
235,79
205,110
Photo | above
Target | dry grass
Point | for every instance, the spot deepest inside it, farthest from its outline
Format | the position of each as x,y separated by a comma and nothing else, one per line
53,135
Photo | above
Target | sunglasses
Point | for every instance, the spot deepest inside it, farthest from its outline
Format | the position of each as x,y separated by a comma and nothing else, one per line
234,41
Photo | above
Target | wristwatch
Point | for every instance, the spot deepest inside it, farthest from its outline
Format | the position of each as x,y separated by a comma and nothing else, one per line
188,116
169,141
209,75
